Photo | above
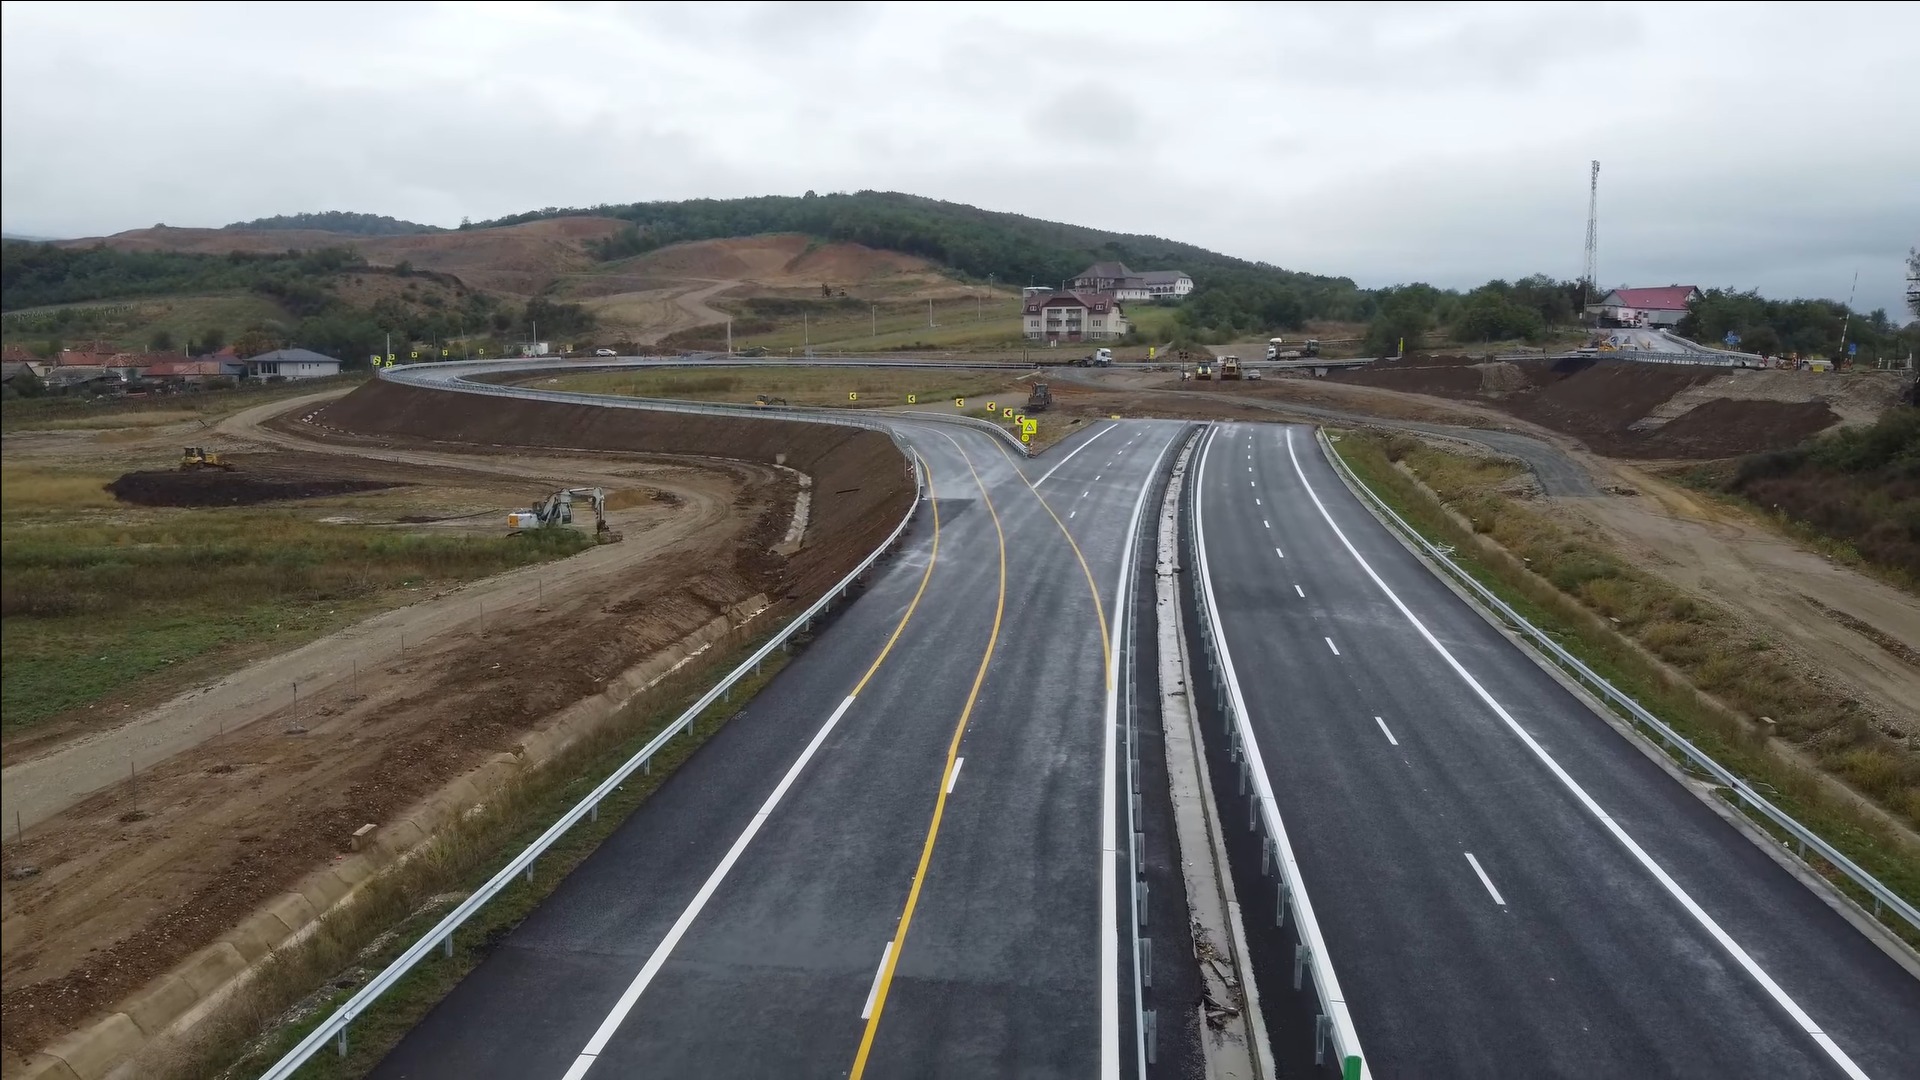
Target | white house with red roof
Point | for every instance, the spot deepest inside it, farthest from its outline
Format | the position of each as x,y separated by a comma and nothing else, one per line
1664,305
1073,315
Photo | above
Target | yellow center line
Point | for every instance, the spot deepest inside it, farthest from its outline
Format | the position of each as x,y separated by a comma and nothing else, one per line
932,557
1099,610
940,798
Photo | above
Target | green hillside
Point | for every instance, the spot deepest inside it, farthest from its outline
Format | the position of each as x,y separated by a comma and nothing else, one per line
339,221
1232,296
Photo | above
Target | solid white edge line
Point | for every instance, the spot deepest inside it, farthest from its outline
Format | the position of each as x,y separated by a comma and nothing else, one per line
1331,645
1309,924
866,1011
1659,873
954,776
1062,462
1485,880
631,995
1384,731
1110,797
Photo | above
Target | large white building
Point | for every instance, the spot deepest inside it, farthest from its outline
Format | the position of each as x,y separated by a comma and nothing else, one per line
1075,315
1127,284
292,364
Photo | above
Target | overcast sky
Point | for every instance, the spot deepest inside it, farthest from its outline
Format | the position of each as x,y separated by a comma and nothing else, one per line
1769,146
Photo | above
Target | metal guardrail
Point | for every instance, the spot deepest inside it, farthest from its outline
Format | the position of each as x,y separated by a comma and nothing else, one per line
334,1028
1335,1021
452,375
1804,839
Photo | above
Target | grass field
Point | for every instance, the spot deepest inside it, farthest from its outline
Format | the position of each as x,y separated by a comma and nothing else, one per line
131,324
104,601
874,387
76,413
1614,617
988,320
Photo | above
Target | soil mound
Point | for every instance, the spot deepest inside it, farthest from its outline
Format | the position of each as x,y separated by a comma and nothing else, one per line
861,485
1600,401
215,488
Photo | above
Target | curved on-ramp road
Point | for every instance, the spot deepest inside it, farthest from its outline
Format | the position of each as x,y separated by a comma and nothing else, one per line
900,858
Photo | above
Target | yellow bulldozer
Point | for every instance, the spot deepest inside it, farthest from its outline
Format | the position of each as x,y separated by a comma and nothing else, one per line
195,458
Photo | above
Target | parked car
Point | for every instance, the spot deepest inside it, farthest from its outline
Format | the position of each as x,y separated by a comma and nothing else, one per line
605,352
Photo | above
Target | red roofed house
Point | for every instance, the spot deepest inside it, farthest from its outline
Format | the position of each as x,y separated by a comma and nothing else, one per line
1073,316
1662,306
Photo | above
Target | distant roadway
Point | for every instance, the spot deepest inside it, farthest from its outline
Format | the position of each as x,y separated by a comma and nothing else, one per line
899,858
1507,885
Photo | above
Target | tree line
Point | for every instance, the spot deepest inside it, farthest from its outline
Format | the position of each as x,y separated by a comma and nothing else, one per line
339,221
431,307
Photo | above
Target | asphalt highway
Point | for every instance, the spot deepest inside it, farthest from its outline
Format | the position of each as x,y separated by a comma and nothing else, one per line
898,859
1506,885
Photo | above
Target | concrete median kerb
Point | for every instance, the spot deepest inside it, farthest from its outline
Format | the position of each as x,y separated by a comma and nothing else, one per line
92,1052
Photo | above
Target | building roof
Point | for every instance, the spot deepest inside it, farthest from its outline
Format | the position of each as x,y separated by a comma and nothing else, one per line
68,374
1160,277
292,356
181,369
1662,298
1098,302
13,369
1105,270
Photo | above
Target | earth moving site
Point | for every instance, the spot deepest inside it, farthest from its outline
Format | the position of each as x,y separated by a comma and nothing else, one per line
169,830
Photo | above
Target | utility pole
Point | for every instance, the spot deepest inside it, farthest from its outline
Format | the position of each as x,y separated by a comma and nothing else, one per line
929,311
873,315
729,337
806,331
1589,275
1848,320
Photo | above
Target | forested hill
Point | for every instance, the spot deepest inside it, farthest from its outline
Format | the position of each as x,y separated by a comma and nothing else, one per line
340,221
1011,248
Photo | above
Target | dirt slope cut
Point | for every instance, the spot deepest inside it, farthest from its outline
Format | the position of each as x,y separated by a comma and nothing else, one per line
861,485
521,259
773,264
1616,407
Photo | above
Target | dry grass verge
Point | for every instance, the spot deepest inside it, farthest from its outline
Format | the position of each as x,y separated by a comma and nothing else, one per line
1684,660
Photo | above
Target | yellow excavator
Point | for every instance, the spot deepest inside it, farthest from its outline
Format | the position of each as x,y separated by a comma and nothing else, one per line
195,458
557,510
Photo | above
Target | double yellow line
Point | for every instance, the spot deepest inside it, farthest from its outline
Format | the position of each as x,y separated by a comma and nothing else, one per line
940,799
885,982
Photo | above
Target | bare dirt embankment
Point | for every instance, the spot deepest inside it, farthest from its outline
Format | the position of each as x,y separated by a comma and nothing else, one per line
1622,408
861,485
129,882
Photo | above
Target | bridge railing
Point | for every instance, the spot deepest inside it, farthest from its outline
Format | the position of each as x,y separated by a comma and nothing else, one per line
1804,840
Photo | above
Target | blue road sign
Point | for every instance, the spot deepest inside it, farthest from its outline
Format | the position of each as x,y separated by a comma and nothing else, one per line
1852,347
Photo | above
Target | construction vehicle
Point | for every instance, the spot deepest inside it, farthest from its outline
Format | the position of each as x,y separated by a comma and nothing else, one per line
1041,398
766,399
195,458
1203,370
556,510
1275,351
1230,367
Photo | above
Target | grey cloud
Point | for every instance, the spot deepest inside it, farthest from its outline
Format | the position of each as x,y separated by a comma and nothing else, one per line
1387,142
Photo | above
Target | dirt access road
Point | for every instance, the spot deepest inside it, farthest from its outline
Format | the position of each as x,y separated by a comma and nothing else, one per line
1851,630
241,792
647,315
